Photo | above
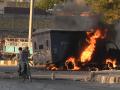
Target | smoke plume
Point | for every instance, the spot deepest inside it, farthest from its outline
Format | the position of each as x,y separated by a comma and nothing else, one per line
74,15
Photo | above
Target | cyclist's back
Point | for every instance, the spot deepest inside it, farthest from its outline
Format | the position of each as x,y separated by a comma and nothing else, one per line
25,60
25,64
25,55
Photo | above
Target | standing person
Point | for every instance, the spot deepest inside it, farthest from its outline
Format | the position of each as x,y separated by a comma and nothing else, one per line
19,56
25,58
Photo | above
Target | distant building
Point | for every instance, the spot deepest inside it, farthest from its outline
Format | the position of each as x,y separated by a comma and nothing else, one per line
24,11
11,45
13,3
14,18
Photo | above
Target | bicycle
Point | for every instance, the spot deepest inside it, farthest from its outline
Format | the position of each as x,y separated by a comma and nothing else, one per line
26,74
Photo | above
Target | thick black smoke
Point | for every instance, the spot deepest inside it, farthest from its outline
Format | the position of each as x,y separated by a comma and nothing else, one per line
74,15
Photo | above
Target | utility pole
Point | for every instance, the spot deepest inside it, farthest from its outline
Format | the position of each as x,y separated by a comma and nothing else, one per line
30,23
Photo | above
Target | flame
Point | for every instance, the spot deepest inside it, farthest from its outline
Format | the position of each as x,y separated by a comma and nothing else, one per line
113,62
87,53
72,60
52,67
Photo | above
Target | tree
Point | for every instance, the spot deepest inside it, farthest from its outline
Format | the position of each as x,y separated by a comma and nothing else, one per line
46,4
110,9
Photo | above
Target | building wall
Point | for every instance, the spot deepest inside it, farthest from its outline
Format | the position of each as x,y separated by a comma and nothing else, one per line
13,34
42,48
20,23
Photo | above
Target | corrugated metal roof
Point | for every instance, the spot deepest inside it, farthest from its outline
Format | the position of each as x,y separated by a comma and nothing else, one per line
62,30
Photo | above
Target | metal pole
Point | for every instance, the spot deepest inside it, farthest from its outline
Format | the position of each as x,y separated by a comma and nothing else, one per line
30,23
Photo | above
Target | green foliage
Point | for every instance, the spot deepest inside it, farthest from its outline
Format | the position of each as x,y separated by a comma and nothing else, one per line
110,9
46,4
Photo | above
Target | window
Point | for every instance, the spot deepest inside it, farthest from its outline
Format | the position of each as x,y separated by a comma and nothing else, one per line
40,46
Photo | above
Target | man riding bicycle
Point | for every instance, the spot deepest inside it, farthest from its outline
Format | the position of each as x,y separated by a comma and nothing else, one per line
25,59
24,68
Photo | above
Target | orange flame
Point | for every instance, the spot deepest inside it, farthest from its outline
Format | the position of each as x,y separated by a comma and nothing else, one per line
113,62
52,67
87,53
72,60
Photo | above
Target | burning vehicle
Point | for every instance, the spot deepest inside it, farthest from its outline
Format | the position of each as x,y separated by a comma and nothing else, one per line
75,50
77,42
53,45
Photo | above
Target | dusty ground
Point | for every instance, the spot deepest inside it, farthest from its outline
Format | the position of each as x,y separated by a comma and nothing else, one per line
48,84
15,84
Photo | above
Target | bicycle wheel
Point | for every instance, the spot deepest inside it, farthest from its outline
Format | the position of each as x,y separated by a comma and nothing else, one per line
24,73
19,73
29,74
